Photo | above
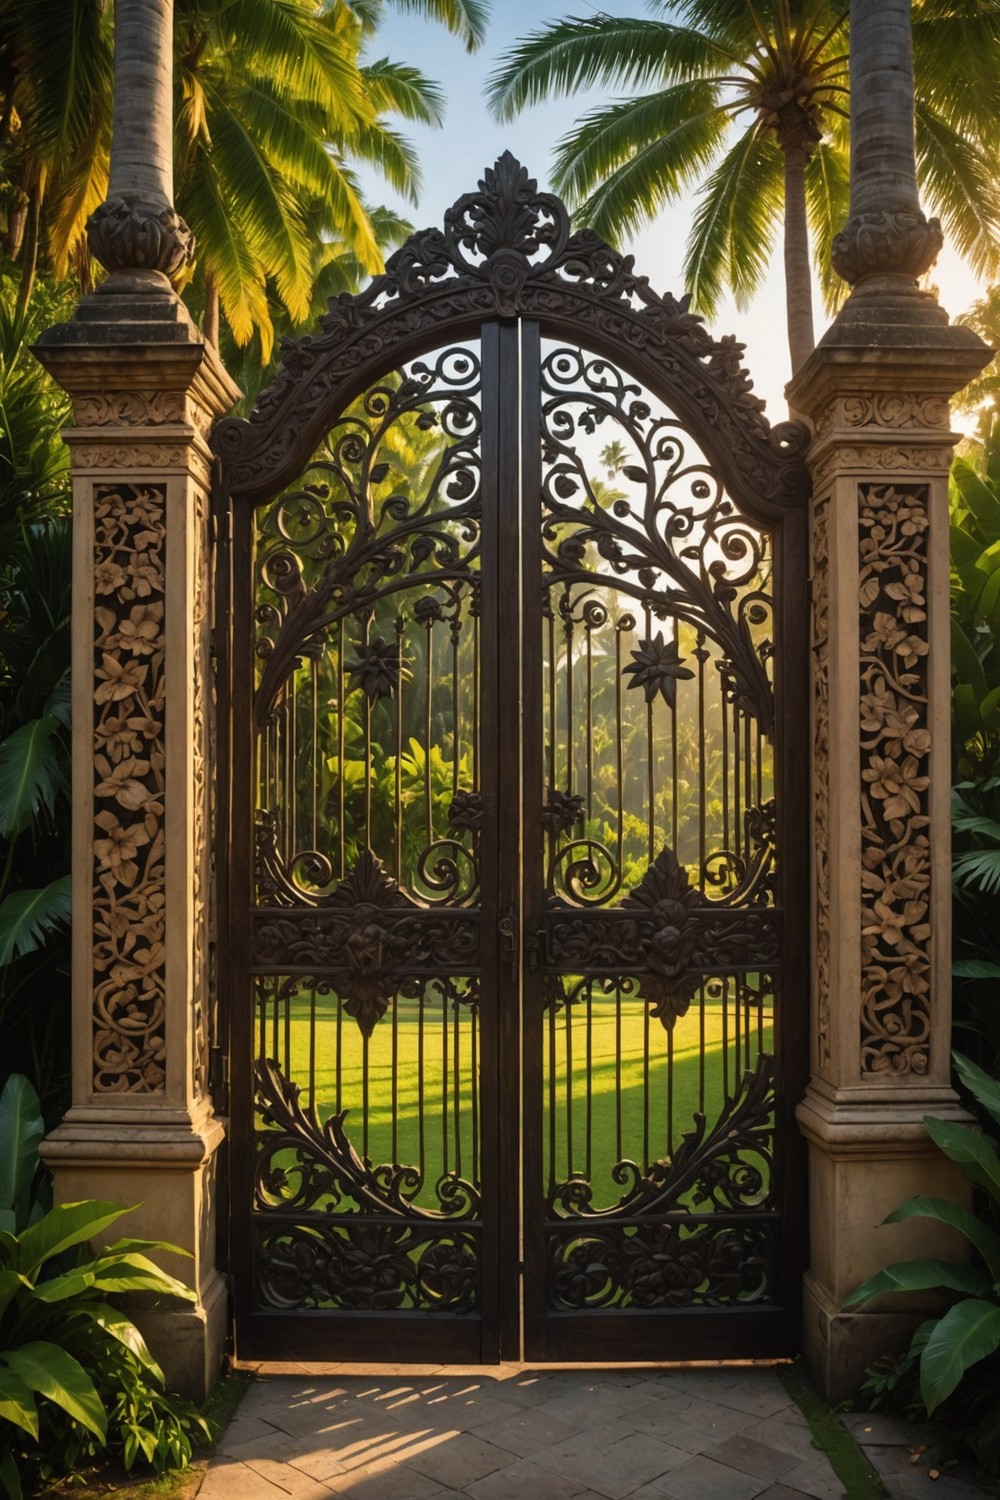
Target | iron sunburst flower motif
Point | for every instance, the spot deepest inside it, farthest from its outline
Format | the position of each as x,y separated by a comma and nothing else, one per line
376,670
657,667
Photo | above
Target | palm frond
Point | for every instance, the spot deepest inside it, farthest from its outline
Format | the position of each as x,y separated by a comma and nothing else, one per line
466,19
30,774
960,184
581,51
827,201
733,227
402,90
28,917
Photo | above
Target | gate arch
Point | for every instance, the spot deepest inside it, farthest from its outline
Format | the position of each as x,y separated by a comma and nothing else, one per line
514,339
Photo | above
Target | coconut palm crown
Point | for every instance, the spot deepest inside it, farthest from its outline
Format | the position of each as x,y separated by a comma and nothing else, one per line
748,100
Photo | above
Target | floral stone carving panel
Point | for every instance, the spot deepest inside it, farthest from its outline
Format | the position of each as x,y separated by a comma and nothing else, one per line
895,748
128,869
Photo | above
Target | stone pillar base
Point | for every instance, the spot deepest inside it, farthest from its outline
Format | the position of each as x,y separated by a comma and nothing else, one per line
167,1175
865,1159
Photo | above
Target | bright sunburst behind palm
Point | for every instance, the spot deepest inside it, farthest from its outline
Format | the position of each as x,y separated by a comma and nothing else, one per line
748,102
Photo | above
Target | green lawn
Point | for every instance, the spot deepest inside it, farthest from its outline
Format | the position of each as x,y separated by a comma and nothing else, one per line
635,1089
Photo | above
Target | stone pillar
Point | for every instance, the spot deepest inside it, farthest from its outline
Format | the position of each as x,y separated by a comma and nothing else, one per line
145,389
877,388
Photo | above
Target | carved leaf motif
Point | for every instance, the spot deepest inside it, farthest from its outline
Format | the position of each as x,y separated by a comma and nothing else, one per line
666,893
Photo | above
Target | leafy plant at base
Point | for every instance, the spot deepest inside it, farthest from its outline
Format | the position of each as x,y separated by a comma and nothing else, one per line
975,634
76,1376
965,1336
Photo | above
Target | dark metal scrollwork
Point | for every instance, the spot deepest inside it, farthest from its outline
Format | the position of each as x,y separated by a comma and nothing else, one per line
662,1266
674,541
327,1173
722,1169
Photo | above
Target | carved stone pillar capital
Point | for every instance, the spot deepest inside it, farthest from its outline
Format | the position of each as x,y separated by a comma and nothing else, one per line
884,243
134,232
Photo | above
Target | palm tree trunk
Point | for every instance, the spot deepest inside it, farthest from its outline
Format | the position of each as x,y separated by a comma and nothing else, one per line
798,272
886,234
29,261
142,151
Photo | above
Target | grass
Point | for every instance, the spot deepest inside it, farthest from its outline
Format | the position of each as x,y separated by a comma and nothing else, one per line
860,1479
628,1090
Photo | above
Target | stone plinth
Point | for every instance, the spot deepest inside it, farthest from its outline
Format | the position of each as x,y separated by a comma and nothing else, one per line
141,1130
877,389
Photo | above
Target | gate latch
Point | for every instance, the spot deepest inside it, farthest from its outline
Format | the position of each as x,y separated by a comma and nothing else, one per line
507,929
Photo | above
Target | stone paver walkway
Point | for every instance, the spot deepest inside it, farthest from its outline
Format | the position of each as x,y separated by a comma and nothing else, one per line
899,1452
519,1434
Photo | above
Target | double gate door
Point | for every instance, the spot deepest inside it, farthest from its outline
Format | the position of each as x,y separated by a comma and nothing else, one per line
508,948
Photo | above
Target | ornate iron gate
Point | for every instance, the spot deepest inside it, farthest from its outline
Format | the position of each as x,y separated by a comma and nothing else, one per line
514,721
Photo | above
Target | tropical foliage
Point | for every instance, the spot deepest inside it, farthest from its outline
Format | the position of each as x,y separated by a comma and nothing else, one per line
274,102
75,1373
975,606
35,566
748,103
957,1352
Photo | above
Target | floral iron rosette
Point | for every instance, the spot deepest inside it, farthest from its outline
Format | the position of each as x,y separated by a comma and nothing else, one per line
667,898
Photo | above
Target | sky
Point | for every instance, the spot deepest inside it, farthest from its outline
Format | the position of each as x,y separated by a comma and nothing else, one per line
452,161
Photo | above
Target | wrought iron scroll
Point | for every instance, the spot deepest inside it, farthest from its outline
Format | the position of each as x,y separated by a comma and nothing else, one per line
508,250
350,1234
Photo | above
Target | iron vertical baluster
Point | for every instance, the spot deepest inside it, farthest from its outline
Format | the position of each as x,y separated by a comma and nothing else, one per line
457,1091
568,633
421,1137
553,720
445,1128
395,1075
701,1047
286,1061
645,1087
670,1092
342,780
456,706
368,841
476,1168
364,1095
589,1158
650,777
619,752
619,1144
724,712
398,777
674,809
293,764
428,730
314,715
737,782
700,657
568,1014
588,637
340,1054
551,1019
312,1046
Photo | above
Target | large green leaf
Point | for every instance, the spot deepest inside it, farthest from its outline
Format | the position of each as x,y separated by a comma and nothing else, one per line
968,1332
30,774
124,1330
975,968
65,1225
70,1284
10,1478
17,1404
920,1276
56,1375
21,1130
946,1212
27,917
11,1282
134,1273
974,1152
981,1086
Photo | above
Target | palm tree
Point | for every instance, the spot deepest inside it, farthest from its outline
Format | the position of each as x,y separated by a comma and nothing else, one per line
273,102
777,71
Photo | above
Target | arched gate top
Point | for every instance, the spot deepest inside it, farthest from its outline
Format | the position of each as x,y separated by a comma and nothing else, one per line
507,251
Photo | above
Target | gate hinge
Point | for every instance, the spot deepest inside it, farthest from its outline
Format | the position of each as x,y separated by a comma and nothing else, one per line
507,927
537,944
218,1077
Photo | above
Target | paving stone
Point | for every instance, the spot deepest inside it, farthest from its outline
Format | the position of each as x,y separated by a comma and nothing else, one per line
816,1478
890,1460
702,1424
247,1430
753,1457
458,1460
593,1402
306,1452
776,1432
524,1479
920,1487
614,1469
459,1410
874,1427
383,1482
291,1480
227,1480
525,1432
702,1478
780,1492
